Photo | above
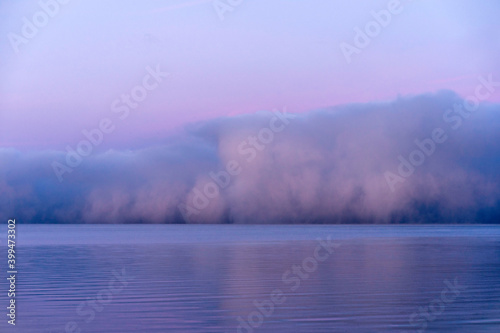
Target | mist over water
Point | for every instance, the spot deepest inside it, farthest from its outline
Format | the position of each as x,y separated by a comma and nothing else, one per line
417,159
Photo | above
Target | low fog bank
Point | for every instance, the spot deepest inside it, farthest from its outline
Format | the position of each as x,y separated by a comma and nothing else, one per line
431,158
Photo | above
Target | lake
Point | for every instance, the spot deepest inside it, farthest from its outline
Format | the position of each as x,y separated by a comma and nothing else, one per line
275,278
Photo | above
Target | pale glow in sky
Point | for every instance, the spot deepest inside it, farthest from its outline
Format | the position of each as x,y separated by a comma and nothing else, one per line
265,54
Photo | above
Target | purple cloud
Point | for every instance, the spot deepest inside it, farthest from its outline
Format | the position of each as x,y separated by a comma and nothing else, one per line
324,166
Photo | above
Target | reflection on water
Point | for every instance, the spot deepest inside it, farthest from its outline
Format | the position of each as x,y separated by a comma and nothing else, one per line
370,283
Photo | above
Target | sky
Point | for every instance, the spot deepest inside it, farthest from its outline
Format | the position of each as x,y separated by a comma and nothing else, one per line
268,111
263,55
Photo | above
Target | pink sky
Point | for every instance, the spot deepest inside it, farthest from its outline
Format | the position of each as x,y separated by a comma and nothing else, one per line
265,55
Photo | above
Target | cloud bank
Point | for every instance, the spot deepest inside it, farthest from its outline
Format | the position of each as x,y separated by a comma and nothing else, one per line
347,164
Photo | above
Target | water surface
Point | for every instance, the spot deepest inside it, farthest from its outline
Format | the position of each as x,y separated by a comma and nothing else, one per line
188,278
